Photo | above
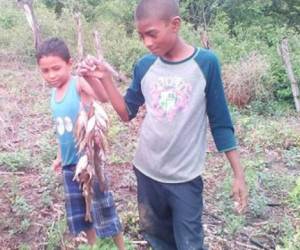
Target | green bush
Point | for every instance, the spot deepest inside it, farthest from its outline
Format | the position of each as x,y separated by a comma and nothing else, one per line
8,20
264,40
294,195
15,161
119,49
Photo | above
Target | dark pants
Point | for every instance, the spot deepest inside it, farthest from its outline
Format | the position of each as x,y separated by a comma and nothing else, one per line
170,214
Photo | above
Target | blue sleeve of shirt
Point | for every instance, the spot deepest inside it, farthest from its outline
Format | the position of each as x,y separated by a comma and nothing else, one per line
134,97
217,109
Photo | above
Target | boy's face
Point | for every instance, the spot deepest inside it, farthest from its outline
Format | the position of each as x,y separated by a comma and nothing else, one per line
55,71
159,36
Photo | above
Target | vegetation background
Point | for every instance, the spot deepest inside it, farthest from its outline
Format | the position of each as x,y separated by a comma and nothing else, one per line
244,34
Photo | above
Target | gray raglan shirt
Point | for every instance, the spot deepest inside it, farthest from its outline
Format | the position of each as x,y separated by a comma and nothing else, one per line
178,97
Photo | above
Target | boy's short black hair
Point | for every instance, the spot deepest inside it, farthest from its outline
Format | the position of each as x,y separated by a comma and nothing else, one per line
160,9
53,47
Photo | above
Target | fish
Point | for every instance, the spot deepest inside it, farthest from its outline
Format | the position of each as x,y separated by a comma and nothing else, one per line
91,142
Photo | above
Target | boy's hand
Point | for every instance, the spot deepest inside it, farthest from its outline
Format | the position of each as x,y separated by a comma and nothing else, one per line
239,189
86,66
93,67
56,166
240,194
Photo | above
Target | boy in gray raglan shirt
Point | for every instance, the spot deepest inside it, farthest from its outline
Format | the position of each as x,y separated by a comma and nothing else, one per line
180,86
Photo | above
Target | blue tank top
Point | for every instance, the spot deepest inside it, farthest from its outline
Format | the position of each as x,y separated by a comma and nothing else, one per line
65,113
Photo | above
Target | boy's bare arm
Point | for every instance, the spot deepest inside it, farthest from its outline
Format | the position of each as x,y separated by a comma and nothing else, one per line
116,98
239,188
92,68
92,88
56,164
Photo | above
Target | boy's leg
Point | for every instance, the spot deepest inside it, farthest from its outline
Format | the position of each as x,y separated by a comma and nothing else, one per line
74,203
187,206
105,218
119,241
154,213
91,236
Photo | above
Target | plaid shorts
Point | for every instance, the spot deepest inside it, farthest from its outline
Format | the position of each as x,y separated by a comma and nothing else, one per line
105,219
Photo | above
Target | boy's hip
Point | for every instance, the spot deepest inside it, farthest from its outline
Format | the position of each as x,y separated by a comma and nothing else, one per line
73,189
187,191
104,214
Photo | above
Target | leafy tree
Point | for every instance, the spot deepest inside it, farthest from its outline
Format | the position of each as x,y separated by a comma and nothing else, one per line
285,12
247,12
278,13
86,7
119,11
57,5
199,13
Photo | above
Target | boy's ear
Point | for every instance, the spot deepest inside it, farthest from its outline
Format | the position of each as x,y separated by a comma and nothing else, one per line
176,22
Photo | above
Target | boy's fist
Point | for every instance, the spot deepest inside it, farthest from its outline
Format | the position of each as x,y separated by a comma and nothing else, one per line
93,67
87,66
240,195
56,166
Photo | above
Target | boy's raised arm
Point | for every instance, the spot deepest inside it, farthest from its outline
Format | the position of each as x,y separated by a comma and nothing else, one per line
93,70
92,87
116,98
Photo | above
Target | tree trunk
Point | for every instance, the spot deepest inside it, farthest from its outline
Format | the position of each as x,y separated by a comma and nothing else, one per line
27,6
119,76
205,39
98,45
284,51
79,36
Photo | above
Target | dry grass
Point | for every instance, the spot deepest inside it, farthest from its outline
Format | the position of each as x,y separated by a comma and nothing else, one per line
243,80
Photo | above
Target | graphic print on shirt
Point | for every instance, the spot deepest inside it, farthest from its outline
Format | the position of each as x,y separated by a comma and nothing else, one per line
169,95
64,124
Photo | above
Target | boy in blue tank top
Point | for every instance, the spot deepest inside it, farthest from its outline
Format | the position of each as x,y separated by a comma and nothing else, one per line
68,93
180,86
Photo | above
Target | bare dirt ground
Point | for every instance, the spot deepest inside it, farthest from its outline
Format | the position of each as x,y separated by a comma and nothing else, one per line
33,194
